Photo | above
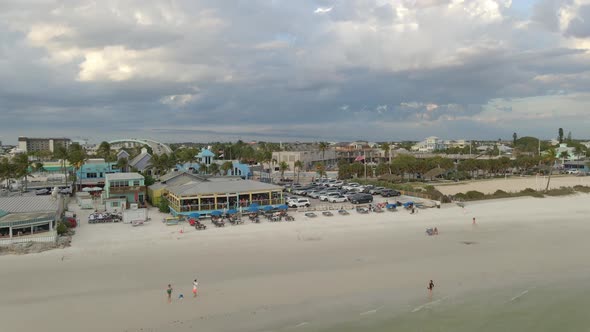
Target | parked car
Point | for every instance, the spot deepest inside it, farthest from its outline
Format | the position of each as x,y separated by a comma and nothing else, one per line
316,194
389,193
300,202
337,199
350,185
573,171
336,184
361,198
376,190
326,196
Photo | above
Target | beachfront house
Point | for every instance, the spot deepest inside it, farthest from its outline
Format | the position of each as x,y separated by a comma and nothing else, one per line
93,172
29,218
221,193
130,186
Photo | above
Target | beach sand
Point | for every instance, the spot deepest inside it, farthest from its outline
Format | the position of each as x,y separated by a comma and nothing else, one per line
307,275
514,184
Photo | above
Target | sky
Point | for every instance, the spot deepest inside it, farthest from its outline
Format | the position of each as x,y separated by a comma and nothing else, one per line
285,70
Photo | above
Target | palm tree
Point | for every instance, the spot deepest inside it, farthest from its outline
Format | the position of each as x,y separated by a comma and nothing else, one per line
323,146
123,164
214,169
23,164
226,167
386,147
321,169
283,166
298,165
76,157
578,151
563,155
61,153
550,158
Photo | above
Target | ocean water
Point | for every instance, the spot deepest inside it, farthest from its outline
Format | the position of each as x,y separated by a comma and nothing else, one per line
546,308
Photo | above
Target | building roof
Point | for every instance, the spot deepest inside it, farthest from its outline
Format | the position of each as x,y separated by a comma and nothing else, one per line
123,176
171,175
205,153
138,158
26,204
221,185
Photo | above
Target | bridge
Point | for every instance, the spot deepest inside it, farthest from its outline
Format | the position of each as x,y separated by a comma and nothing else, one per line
157,147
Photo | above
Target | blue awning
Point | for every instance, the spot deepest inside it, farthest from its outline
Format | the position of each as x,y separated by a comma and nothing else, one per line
232,211
282,207
267,208
253,209
254,205
195,215
216,213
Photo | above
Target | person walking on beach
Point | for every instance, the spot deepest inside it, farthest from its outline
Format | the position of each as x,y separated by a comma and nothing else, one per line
195,284
430,288
473,223
169,292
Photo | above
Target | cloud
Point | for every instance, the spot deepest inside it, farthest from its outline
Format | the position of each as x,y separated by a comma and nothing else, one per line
323,10
371,69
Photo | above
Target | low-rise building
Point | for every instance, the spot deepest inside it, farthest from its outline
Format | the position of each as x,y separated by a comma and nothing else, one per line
29,218
94,171
308,158
130,186
220,193
430,144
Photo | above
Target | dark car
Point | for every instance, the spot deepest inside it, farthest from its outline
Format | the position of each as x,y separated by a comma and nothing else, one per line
389,193
361,198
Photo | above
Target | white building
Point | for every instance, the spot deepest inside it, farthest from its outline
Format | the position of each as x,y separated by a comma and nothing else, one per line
430,144
571,154
308,158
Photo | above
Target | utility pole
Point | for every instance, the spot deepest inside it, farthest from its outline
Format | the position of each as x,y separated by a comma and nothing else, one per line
365,160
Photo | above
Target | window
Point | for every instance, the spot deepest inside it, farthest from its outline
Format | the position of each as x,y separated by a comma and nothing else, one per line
118,184
136,183
115,204
91,175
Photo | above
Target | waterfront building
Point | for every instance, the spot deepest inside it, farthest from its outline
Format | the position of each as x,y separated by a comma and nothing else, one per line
130,186
29,218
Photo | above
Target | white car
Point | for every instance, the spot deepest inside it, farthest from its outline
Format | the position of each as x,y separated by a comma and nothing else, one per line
573,171
300,202
326,197
350,186
336,184
337,199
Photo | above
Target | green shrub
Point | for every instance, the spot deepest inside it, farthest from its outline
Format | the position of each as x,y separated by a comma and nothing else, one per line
501,194
582,189
163,205
474,195
531,192
61,228
563,191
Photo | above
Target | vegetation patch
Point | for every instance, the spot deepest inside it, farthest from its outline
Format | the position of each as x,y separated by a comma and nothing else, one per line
563,191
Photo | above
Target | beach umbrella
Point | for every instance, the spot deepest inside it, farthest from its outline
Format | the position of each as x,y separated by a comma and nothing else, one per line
195,215
96,189
87,189
391,206
282,207
253,209
267,208
216,213
232,211
254,205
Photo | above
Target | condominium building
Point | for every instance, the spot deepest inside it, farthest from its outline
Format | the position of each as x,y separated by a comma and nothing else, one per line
27,144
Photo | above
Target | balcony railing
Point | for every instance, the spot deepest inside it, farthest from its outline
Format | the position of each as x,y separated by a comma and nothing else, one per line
126,189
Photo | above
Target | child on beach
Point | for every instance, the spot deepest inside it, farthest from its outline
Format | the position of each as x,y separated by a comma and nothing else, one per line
169,292
195,284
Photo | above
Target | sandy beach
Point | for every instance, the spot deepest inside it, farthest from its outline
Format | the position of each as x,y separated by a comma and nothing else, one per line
514,184
305,275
